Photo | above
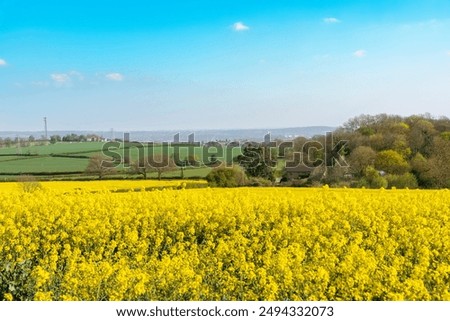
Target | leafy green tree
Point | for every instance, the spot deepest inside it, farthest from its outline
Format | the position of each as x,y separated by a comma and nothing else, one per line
55,138
420,168
391,162
421,137
257,161
373,179
400,145
360,158
439,164
445,135
366,131
377,142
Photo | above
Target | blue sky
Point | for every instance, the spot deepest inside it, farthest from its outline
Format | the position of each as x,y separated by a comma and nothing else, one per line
152,65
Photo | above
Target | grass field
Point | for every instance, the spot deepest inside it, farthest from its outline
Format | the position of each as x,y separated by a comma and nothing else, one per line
11,158
58,148
43,164
61,158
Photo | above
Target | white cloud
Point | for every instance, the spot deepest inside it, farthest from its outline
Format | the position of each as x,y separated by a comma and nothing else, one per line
60,78
2,62
65,79
240,26
115,76
360,53
448,53
331,20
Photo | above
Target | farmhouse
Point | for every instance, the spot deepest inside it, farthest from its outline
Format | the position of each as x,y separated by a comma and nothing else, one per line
298,172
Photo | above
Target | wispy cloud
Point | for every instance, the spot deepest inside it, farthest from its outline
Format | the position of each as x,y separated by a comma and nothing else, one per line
60,79
240,26
114,76
40,84
77,75
360,53
331,20
448,53
66,79
432,24
2,62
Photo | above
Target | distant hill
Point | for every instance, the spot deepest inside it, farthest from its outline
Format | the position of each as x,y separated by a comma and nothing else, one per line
200,135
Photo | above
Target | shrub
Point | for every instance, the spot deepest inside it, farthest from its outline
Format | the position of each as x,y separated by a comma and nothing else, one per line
227,177
406,180
373,179
28,183
259,182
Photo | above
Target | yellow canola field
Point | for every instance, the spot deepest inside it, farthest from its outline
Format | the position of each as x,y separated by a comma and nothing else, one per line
225,244
93,186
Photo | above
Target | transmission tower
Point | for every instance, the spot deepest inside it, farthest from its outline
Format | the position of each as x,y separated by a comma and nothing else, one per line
45,128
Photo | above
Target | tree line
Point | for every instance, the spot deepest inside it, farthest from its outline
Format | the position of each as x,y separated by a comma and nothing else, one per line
388,151
381,151
394,151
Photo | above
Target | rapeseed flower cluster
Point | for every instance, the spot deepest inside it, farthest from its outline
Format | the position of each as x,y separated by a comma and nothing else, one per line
103,185
225,244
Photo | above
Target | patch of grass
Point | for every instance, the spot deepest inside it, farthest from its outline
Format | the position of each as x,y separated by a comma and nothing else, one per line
43,164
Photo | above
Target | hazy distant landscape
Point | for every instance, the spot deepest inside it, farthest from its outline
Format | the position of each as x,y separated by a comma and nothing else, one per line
200,135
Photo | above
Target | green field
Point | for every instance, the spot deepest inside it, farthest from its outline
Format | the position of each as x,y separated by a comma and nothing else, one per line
71,159
11,158
58,148
43,165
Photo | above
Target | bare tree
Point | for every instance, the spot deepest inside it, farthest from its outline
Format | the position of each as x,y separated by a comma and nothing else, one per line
156,163
100,165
